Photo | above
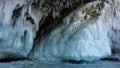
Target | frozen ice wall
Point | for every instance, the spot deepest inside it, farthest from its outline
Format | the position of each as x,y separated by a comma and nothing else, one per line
18,26
81,36
88,33
113,14
19,22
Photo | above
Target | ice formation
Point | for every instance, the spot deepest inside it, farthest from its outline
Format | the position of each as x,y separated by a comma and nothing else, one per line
18,26
76,38
88,33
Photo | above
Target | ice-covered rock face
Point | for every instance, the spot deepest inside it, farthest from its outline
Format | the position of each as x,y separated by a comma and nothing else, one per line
18,26
114,24
19,22
88,33
81,36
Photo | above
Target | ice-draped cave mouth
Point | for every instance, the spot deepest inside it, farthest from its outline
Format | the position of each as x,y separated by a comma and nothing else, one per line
66,31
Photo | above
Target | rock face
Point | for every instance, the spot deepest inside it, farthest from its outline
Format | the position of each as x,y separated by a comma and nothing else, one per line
59,29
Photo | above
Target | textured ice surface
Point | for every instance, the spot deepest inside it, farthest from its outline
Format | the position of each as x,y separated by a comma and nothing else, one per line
17,32
78,39
75,39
